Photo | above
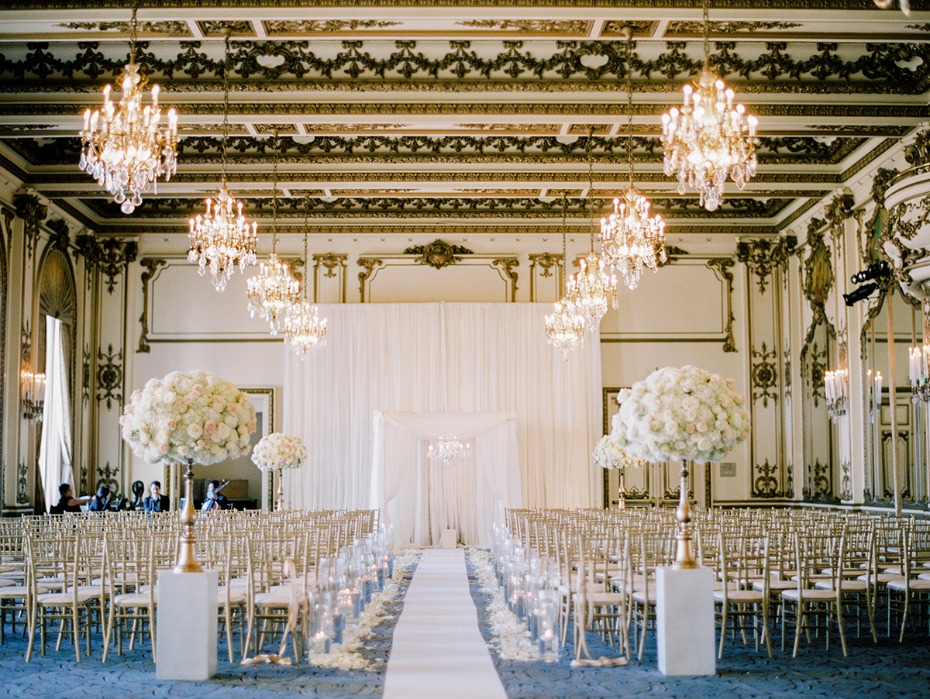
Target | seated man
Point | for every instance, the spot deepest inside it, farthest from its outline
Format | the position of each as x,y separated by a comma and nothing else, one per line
67,502
156,502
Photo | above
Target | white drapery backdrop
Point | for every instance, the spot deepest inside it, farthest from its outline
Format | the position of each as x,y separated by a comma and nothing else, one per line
441,358
55,446
421,497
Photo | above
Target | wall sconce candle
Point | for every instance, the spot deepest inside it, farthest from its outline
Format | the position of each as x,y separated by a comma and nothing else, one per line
918,369
33,394
836,386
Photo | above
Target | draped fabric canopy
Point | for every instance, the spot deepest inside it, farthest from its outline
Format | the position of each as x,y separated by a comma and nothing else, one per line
420,497
442,358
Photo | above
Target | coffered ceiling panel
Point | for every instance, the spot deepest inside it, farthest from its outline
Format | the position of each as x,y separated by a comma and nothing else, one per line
421,117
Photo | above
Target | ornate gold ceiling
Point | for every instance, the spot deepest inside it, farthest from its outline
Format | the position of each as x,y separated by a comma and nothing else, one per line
425,117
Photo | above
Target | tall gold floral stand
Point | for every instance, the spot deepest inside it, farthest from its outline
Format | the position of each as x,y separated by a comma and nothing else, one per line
186,631
685,605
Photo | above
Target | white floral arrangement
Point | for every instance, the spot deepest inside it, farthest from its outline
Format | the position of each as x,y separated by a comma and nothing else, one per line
680,413
610,455
278,451
194,416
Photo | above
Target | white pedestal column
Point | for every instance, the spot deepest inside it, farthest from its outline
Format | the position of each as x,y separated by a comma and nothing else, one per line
186,626
685,621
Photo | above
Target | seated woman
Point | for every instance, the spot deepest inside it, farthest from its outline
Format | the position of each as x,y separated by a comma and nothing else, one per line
214,500
67,502
101,501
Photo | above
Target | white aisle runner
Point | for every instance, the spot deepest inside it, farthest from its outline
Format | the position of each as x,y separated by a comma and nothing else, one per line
438,650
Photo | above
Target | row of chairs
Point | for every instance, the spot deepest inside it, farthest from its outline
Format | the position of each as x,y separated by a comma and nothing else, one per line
82,578
813,573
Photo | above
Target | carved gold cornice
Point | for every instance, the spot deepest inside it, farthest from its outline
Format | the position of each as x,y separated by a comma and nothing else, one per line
761,257
151,265
33,213
109,255
722,267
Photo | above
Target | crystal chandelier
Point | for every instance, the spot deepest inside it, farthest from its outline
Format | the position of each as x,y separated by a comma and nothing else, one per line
448,450
221,239
304,330
710,138
592,290
124,147
273,290
565,326
631,239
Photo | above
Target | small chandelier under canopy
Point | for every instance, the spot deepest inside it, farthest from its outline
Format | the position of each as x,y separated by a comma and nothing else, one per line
565,326
591,290
631,239
222,239
304,330
710,138
273,290
125,147
448,450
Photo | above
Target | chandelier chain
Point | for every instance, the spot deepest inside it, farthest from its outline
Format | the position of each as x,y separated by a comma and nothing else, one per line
226,35
274,192
222,239
629,100
631,239
707,34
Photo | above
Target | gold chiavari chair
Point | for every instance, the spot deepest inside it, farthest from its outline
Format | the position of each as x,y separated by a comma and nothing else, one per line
743,563
807,606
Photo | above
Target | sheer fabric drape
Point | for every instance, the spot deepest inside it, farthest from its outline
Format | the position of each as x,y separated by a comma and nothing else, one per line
441,358
55,445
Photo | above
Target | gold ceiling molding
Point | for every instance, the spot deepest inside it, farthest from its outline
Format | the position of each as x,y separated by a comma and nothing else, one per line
438,254
575,111
720,31
144,29
531,26
298,27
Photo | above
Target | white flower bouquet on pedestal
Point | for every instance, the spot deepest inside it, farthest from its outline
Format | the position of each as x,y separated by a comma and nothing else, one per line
610,455
680,413
687,414
189,417
193,417
277,452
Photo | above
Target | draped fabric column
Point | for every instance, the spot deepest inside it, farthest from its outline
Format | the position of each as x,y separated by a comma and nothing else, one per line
436,358
55,446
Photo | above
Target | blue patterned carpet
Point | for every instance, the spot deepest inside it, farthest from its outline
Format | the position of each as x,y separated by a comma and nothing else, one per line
887,669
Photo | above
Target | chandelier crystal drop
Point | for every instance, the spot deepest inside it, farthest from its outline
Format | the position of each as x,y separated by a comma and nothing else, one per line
125,147
222,239
591,291
631,239
709,138
273,290
448,450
